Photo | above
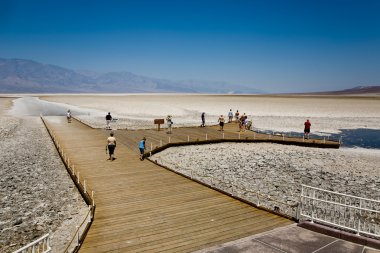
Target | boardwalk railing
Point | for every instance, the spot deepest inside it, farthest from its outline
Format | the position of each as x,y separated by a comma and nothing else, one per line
358,215
84,189
232,188
41,245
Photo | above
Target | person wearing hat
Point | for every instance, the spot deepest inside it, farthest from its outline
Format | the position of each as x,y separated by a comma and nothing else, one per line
111,145
142,148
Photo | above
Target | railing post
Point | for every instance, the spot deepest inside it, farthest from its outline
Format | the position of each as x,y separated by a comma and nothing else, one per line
90,216
360,212
324,139
78,239
84,186
92,197
258,198
206,137
169,139
78,177
312,207
151,146
223,135
73,170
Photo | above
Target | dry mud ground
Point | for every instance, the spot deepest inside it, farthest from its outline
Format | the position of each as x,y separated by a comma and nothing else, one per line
36,195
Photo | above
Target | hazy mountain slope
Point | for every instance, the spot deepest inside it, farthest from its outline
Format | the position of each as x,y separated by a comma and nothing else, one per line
19,76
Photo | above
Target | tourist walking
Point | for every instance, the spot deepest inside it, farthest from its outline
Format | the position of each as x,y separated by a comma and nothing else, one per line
111,145
169,121
203,120
221,122
230,116
68,116
307,129
108,121
142,148
237,116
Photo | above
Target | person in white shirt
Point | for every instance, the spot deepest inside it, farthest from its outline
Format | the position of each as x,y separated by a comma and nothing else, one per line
111,145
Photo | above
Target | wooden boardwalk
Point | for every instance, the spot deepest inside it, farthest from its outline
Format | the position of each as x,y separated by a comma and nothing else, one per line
142,207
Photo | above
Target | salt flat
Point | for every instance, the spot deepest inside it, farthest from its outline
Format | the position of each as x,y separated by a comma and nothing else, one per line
277,113
347,170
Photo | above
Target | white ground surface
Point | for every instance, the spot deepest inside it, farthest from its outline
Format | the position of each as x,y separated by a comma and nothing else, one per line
327,114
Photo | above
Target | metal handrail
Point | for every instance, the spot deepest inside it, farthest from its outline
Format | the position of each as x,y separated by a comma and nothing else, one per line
341,194
45,240
353,215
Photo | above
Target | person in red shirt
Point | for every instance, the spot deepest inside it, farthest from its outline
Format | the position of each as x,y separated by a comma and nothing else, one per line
307,129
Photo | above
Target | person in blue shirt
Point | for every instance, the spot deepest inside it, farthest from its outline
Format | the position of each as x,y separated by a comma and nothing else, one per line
142,148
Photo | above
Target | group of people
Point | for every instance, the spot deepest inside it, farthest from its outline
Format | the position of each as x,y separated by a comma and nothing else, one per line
243,120
244,124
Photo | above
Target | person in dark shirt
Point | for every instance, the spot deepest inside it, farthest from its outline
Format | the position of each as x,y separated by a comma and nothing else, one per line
203,120
108,120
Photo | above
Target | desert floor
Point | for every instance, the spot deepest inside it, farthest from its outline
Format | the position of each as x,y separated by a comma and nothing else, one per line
277,113
32,176
354,171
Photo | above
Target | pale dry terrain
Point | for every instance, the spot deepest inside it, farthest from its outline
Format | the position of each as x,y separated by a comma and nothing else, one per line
32,177
277,113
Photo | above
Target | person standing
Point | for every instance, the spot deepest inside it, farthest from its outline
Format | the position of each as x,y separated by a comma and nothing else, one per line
237,116
142,148
108,121
111,145
203,120
307,129
170,123
230,116
221,122
68,116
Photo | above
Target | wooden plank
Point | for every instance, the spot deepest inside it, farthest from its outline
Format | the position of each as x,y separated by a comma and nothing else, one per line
142,207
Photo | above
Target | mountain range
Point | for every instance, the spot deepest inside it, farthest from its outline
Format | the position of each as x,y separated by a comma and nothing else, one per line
27,76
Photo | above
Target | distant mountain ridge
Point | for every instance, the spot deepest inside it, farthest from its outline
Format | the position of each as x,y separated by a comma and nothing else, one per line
359,90
27,76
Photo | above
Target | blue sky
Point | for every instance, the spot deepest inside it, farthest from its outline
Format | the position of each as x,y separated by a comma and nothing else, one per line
276,46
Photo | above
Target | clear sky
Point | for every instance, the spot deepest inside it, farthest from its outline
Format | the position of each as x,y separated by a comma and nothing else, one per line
276,46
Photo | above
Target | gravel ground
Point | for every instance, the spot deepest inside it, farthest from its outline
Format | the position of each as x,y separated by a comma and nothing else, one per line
32,176
279,170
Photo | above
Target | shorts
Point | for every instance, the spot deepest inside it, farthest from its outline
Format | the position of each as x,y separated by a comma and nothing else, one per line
141,151
307,130
111,149
221,124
